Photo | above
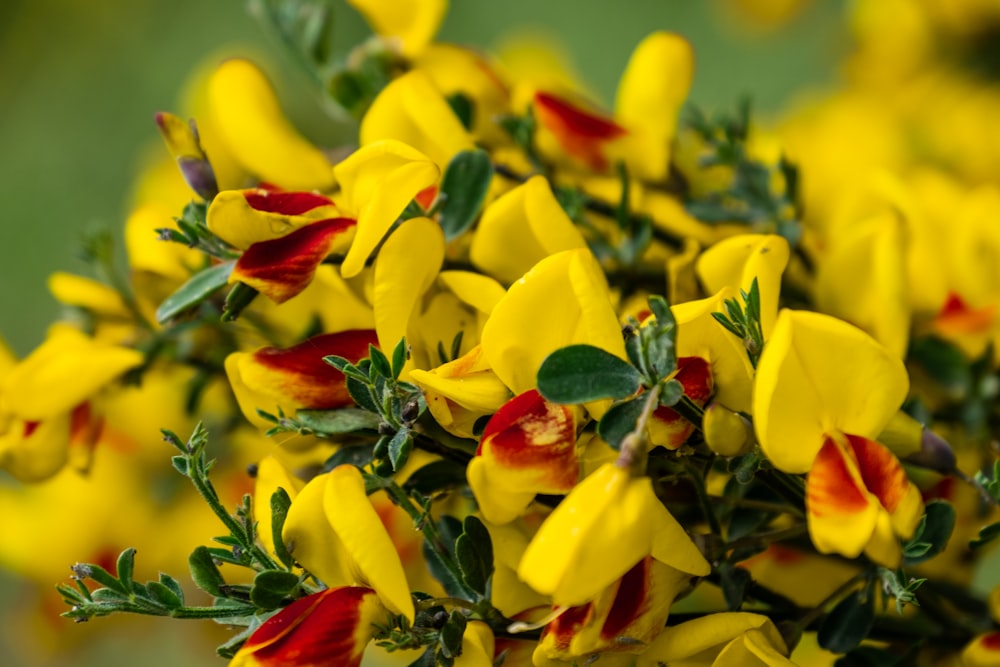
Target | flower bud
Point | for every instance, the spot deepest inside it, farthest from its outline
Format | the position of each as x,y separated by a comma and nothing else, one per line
726,432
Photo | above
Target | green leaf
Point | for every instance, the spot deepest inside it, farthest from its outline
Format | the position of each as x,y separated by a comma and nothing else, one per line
239,297
474,553
180,464
450,636
125,567
100,575
847,623
280,504
356,455
671,392
380,364
399,356
435,477
934,531
582,373
463,107
336,422
464,186
362,395
400,447
205,572
734,582
619,421
164,595
944,362
173,585
986,535
449,529
198,288
271,587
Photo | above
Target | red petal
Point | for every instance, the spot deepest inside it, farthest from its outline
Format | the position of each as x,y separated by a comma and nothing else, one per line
880,470
529,433
327,629
285,203
300,372
830,487
580,132
281,268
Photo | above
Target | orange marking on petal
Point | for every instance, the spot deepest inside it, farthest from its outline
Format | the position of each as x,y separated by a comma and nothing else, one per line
581,133
880,470
529,433
830,486
956,317
281,268
285,203
301,373
562,630
426,197
29,428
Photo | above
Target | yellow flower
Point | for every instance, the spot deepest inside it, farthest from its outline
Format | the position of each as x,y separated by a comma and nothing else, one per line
346,548
720,640
409,24
608,523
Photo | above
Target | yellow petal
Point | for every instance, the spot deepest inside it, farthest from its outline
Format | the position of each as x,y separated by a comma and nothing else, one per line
842,514
477,646
62,372
379,181
695,638
479,291
521,228
410,23
374,558
650,95
406,266
34,451
247,116
412,110
88,294
736,261
563,300
233,219
311,539
818,375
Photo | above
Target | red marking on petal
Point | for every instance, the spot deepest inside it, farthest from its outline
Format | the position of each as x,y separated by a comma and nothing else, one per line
956,317
830,486
281,268
331,627
695,374
301,373
880,470
426,197
85,427
529,433
672,430
991,641
581,133
943,490
562,630
29,428
631,600
285,203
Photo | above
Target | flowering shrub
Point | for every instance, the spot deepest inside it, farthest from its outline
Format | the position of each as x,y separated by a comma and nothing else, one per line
523,380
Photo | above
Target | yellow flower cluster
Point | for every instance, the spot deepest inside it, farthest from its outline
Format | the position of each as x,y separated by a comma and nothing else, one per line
493,439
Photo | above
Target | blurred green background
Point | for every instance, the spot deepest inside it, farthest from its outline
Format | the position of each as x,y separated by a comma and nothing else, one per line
80,81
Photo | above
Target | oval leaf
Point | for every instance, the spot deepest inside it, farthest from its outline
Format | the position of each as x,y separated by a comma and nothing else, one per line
463,189
847,624
201,286
583,373
932,537
335,422
619,421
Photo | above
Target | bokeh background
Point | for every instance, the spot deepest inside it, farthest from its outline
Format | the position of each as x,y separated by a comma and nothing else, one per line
80,81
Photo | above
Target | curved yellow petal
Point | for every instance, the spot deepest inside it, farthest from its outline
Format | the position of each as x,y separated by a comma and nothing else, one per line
378,181
698,636
410,23
34,451
651,92
816,376
62,372
477,646
311,539
842,514
235,219
479,291
520,228
374,558
563,300
247,116
412,110
89,294
406,266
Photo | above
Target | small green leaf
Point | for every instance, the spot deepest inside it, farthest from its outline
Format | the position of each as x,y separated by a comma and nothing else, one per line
944,362
986,535
435,477
198,288
474,553
619,421
180,464
164,595
205,572
173,585
100,575
271,587
450,636
399,448
280,504
125,567
462,106
734,581
239,297
362,395
399,357
336,422
935,530
671,392
449,529
847,623
582,373
464,186
380,364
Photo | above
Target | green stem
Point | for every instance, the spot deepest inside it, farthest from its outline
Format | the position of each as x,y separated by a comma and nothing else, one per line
837,595
634,445
699,489
424,523
762,505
